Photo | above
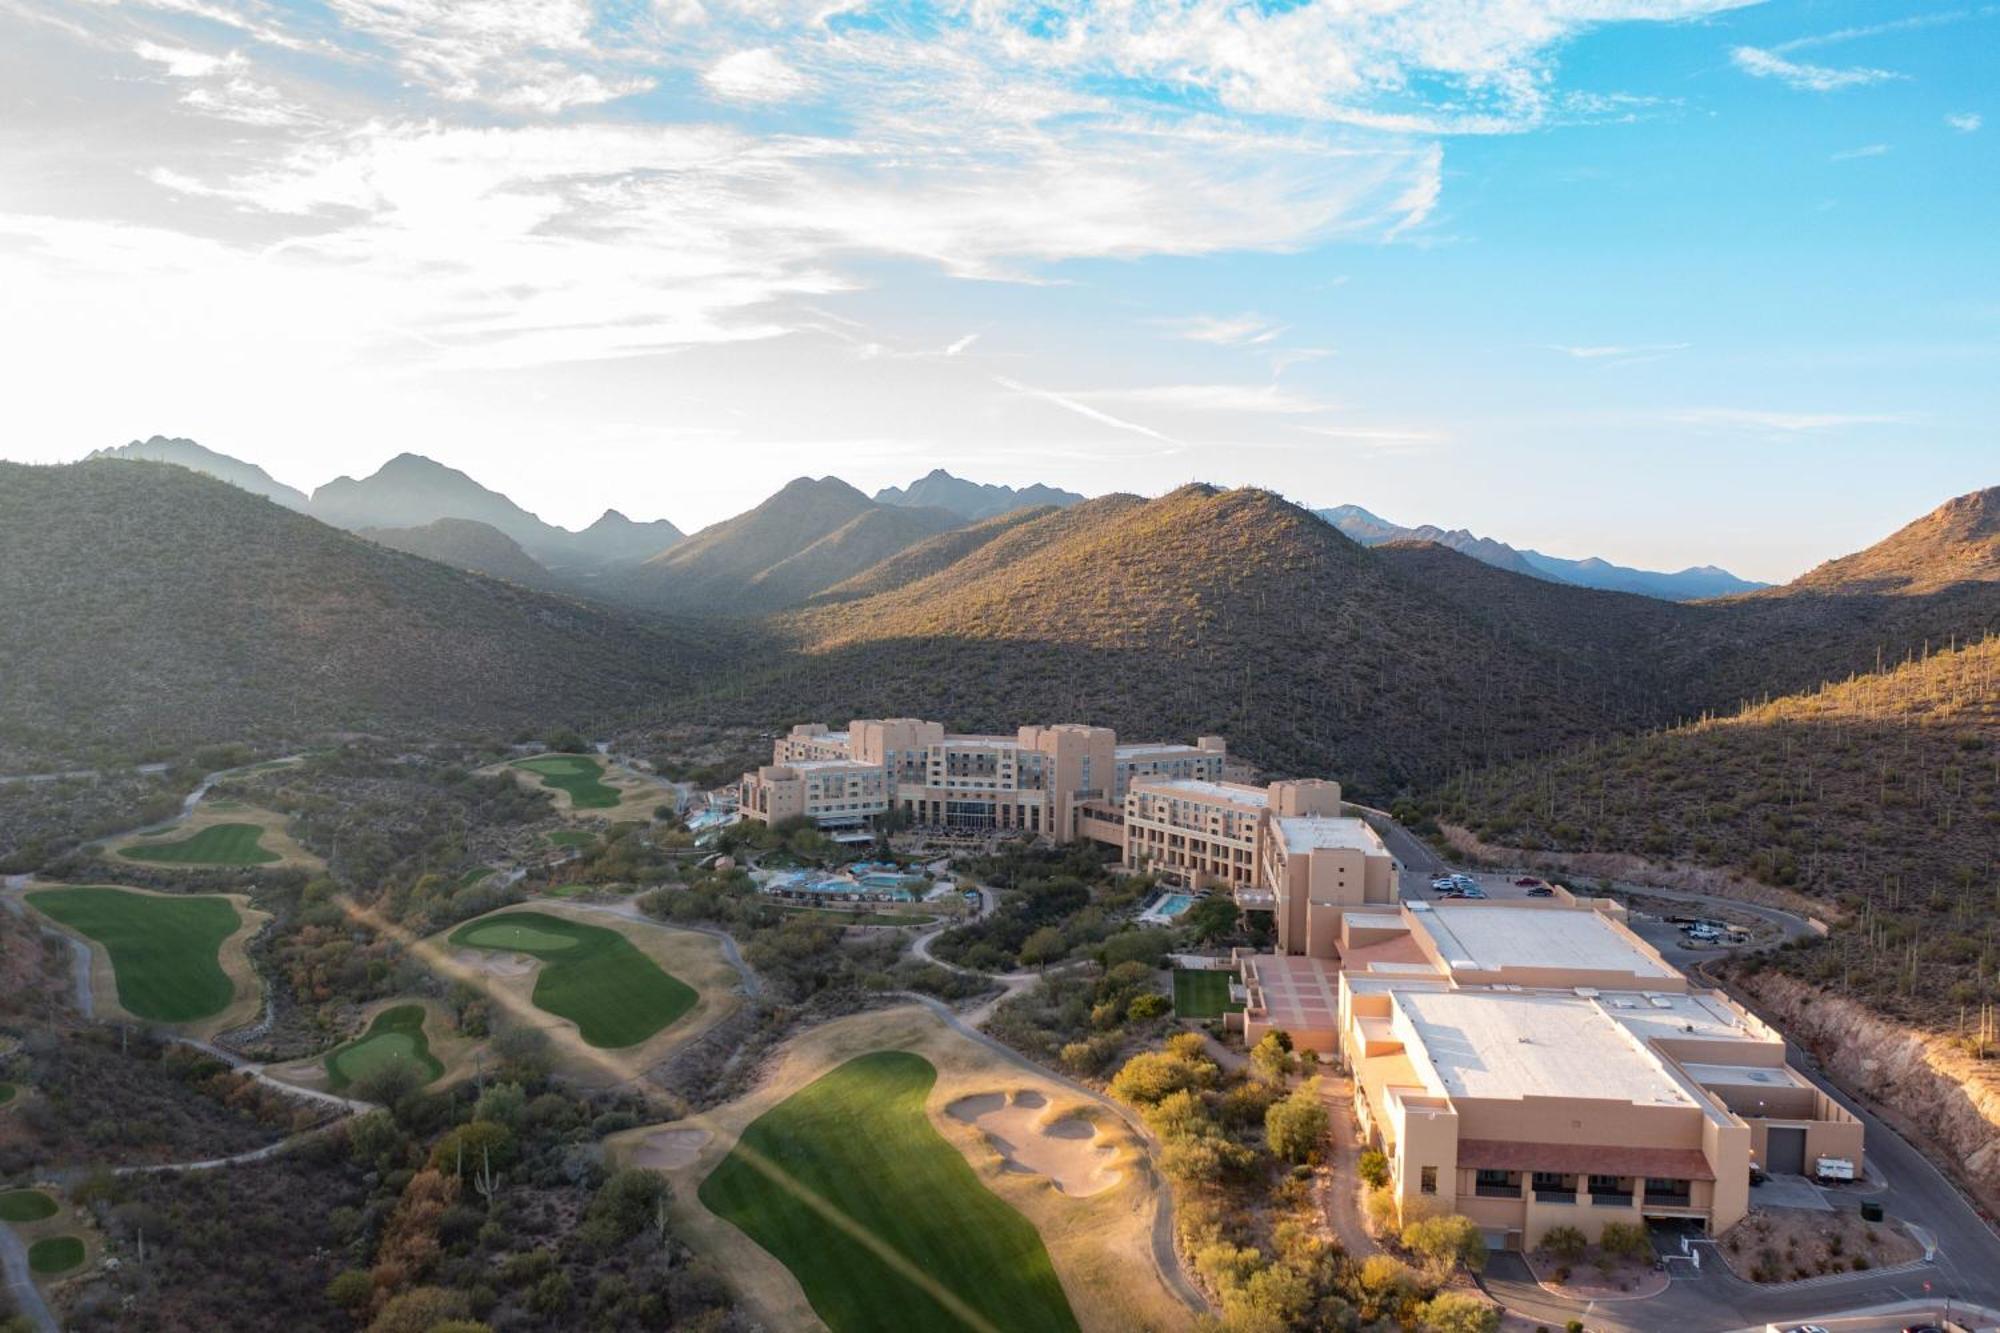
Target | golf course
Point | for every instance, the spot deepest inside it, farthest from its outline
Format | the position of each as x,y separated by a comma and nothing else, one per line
885,1224
395,1037
580,776
25,1206
216,845
56,1254
164,949
590,975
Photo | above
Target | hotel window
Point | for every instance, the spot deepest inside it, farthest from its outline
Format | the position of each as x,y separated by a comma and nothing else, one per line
1429,1180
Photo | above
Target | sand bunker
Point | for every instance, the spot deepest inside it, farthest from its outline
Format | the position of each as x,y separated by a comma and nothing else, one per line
670,1149
1064,1149
495,964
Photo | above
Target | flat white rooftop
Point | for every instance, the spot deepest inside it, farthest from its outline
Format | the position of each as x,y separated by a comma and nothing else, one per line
833,766
1510,1044
1488,938
1695,1014
1139,749
1305,833
1744,1076
1200,789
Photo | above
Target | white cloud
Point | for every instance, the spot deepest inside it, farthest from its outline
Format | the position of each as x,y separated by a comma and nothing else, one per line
1617,351
1785,423
1226,330
182,63
1806,78
1866,150
958,347
757,75
1965,122
1069,403
1229,398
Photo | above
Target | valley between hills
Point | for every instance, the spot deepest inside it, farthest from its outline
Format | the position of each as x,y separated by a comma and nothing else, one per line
427,776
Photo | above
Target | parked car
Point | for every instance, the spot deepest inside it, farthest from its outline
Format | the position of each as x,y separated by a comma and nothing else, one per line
1474,892
1541,891
1526,882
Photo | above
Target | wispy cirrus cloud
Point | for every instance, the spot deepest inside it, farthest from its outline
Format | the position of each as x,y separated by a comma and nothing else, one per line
1783,422
1965,122
1073,404
1763,64
1854,154
1225,330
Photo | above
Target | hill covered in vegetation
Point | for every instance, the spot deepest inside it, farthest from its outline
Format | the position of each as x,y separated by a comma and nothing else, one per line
147,608
1879,795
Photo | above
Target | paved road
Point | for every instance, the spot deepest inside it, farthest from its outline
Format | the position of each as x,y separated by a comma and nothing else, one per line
27,1297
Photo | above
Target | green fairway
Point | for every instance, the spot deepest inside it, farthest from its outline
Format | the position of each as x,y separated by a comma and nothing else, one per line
473,876
57,1254
594,977
579,775
163,949
216,845
857,1140
25,1206
1203,994
572,837
395,1037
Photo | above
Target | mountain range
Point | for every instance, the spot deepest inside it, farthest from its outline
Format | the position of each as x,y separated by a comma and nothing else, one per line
1687,585
200,612
740,565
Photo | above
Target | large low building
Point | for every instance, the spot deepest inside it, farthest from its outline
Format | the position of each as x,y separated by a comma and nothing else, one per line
1038,781
1537,1064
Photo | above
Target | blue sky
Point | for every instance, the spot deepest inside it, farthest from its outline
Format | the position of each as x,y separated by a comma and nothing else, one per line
1688,282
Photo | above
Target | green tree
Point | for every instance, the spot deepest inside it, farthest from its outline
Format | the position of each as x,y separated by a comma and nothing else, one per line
1272,1056
1374,1168
1565,1243
1457,1312
1447,1241
1148,1004
1212,918
1296,1126
1042,947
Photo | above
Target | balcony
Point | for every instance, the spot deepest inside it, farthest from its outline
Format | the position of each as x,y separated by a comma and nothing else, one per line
1598,1200
1486,1191
1554,1196
1664,1199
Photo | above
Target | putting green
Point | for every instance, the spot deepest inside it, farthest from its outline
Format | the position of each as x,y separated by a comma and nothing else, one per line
904,1236
594,977
57,1254
1203,994
163,949
579,775
395,1037
25,1206
216,845
515,935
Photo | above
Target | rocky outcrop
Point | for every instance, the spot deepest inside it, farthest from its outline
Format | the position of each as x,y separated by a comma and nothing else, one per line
1926,1082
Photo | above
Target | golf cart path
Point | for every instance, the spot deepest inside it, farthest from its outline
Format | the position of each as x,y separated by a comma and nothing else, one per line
27,1297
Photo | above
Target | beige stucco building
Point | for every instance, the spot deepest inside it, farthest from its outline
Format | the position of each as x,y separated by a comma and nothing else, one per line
1037,781
1535,1064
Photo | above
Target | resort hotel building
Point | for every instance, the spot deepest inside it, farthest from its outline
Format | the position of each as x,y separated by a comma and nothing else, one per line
1533,1064
1037,781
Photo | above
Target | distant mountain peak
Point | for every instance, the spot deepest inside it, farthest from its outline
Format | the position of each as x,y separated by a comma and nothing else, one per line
971,500
198,458
1687,585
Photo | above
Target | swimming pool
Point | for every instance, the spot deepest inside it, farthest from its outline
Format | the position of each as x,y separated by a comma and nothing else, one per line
1173,904
880,880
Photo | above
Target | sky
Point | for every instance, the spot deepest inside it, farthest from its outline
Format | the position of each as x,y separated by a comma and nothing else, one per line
1670,282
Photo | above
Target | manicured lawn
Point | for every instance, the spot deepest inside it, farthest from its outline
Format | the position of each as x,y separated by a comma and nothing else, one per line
858,1142
473,876
572,837
216,845
163,949
592,976
1202,994
57,1254
578,774
25,1206
395,1037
